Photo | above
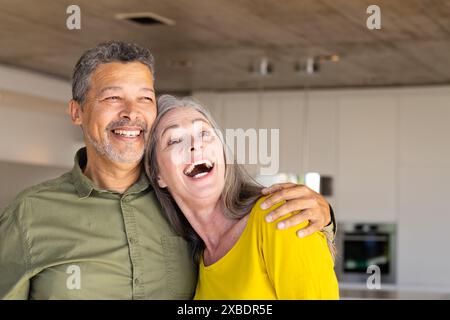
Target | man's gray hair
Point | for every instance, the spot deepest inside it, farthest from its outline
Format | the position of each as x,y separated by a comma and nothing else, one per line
112,51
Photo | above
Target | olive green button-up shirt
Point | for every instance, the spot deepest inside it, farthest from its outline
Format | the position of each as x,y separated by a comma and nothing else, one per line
67,239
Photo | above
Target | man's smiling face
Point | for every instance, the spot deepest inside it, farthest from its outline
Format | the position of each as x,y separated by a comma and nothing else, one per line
119,110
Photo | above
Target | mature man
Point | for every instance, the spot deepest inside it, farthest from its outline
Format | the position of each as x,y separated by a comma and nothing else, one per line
97,231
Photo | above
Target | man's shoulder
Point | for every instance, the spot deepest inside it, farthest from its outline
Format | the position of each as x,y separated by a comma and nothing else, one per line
62,183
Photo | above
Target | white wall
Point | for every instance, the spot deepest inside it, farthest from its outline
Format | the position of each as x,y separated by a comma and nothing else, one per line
38,140
34,125
34,84
388,151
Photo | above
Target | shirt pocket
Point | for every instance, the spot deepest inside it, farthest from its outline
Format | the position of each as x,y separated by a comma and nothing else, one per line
181,273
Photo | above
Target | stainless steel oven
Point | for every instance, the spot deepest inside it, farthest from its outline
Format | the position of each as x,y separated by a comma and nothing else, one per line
363,244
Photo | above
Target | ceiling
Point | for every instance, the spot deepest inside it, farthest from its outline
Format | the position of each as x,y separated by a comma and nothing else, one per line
219,39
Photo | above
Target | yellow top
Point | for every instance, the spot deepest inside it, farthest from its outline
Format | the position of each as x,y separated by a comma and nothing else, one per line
267,263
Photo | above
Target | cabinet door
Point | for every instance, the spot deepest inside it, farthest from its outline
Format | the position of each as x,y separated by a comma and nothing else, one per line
284,112
367,159
240,111
322,140
213,102
424,219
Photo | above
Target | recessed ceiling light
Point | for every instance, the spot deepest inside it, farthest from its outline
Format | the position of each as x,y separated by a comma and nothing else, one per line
145,18
330,57
334,57
261,67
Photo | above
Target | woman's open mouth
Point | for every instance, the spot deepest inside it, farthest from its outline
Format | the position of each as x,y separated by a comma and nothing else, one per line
199,169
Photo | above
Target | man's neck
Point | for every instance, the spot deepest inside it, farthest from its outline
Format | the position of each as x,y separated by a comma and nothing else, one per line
110,175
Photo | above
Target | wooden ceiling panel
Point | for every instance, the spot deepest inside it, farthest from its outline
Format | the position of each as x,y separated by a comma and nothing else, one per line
219,39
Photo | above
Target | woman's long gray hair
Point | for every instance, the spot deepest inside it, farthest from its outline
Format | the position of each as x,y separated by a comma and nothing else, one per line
240,191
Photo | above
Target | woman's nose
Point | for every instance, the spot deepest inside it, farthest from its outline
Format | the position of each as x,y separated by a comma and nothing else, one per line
196,143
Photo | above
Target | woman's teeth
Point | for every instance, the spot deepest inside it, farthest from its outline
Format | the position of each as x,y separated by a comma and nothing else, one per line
199,169
129,134
200,175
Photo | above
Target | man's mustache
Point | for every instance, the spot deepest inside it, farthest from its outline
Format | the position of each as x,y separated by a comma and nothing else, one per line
127,122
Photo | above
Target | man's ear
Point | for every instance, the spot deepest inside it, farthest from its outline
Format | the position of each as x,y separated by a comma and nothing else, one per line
75,112
161,182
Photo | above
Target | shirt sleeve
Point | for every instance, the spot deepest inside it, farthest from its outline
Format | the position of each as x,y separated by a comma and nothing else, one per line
14,256
331,228
299,268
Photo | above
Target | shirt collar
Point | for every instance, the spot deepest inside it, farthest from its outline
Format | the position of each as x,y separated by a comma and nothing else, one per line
84,186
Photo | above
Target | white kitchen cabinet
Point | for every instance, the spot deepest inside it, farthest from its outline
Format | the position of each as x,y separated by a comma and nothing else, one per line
424,219
240,111
212,101
282,111
286,116
322,137
423,228
321,149
367,160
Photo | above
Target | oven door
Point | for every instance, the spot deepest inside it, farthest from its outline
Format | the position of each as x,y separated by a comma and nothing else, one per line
359,250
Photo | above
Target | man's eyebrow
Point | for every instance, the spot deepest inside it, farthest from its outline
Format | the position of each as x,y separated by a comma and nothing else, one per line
148,89
109,88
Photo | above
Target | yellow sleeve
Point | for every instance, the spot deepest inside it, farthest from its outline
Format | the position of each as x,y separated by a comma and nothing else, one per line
299,268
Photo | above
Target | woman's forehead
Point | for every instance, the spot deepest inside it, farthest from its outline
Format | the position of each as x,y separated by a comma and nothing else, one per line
182,117
179,118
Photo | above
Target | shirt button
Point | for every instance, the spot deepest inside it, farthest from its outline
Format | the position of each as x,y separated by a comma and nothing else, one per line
133,240
136,281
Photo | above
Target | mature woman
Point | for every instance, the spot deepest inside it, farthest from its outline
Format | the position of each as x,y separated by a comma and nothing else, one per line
213,203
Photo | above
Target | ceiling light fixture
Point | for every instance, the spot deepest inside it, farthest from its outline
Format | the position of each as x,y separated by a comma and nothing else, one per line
263,67
145,18
310,66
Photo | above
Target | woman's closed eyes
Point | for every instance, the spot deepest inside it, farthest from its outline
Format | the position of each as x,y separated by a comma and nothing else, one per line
204,135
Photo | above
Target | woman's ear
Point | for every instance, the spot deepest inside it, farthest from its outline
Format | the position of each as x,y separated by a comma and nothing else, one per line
161,182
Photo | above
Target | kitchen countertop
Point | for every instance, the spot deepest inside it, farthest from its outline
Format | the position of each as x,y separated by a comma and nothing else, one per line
350,291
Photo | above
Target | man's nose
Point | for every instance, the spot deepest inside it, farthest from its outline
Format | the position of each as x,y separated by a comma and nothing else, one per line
129,110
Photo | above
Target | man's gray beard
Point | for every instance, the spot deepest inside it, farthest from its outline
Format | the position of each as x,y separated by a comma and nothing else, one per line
106,149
